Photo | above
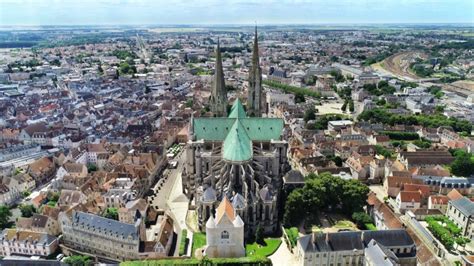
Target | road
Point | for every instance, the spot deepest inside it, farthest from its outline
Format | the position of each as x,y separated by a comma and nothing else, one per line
169,196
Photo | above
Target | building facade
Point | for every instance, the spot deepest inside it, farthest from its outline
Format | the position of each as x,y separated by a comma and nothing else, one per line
348,248
225,233
15,242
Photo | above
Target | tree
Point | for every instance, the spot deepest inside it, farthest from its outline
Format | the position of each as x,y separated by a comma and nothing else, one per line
463,165
78,260
338,161
259,235
361,219
27,210
309,114
5,215
344,106
91,167
111,213
354,196
351,106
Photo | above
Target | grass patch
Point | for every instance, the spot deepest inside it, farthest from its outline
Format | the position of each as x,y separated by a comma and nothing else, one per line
199,241
370,226
344,224
254,249
292,234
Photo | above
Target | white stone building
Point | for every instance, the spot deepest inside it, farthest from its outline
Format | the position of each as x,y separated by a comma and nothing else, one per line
225,233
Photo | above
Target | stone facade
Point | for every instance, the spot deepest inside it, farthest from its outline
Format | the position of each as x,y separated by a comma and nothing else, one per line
225,233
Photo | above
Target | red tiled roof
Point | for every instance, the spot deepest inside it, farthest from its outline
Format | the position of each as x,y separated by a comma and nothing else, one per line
410,196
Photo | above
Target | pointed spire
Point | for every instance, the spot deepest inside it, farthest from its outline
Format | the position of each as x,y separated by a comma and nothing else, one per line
219,92
255,98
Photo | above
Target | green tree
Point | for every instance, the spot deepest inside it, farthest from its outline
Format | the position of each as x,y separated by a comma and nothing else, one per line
344,106
354,196
111,213
351,106
463,165
309,114
27,210
259,238
78,260
91,167
5,215
361,219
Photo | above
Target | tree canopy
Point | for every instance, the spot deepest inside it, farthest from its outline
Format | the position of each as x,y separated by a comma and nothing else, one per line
5,215
78,260
324,192
27,210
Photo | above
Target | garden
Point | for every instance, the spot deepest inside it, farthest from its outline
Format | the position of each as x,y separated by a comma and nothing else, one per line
446,231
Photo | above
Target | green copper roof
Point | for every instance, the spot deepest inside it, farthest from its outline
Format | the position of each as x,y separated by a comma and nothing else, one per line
237,132
237,144
257,128
237,110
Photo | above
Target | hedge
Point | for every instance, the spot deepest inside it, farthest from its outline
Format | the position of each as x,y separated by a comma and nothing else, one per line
250,261
182,243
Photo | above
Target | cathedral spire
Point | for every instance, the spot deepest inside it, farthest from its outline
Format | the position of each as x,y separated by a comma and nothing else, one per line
255,98
219,92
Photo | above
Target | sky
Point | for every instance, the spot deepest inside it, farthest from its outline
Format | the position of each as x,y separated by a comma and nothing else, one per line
172,12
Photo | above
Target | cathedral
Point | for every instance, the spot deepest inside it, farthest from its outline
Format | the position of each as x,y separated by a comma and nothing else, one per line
240,156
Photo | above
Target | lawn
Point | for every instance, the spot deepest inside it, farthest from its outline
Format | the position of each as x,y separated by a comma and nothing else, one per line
254,249
344,224
199,241
370,226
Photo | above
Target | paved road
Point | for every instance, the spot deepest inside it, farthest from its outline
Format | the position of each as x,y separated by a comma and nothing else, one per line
170,198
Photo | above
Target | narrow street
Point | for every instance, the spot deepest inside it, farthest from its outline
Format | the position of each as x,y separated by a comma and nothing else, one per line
169,196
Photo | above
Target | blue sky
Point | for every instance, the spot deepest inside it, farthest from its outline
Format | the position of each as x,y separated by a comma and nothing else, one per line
134,12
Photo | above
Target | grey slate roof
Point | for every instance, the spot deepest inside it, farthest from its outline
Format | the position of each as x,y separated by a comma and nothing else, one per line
464,205
293,176
331,242
95,222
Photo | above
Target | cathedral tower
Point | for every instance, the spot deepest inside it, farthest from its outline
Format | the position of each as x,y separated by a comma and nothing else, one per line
219,92
255,98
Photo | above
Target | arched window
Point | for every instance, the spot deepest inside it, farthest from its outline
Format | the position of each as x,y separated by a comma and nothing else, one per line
225,235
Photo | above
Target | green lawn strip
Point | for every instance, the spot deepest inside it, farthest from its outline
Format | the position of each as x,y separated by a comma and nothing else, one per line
199,241
254,249
182,243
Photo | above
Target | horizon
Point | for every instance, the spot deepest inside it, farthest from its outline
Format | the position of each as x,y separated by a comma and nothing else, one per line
233,12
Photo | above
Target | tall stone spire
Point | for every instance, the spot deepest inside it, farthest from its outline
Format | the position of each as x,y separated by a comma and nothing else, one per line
219,91
255,98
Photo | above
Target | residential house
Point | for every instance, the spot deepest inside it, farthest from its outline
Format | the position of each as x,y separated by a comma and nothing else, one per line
461,212
27,243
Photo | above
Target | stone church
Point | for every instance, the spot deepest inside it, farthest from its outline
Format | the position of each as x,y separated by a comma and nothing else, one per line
239,157
225,233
